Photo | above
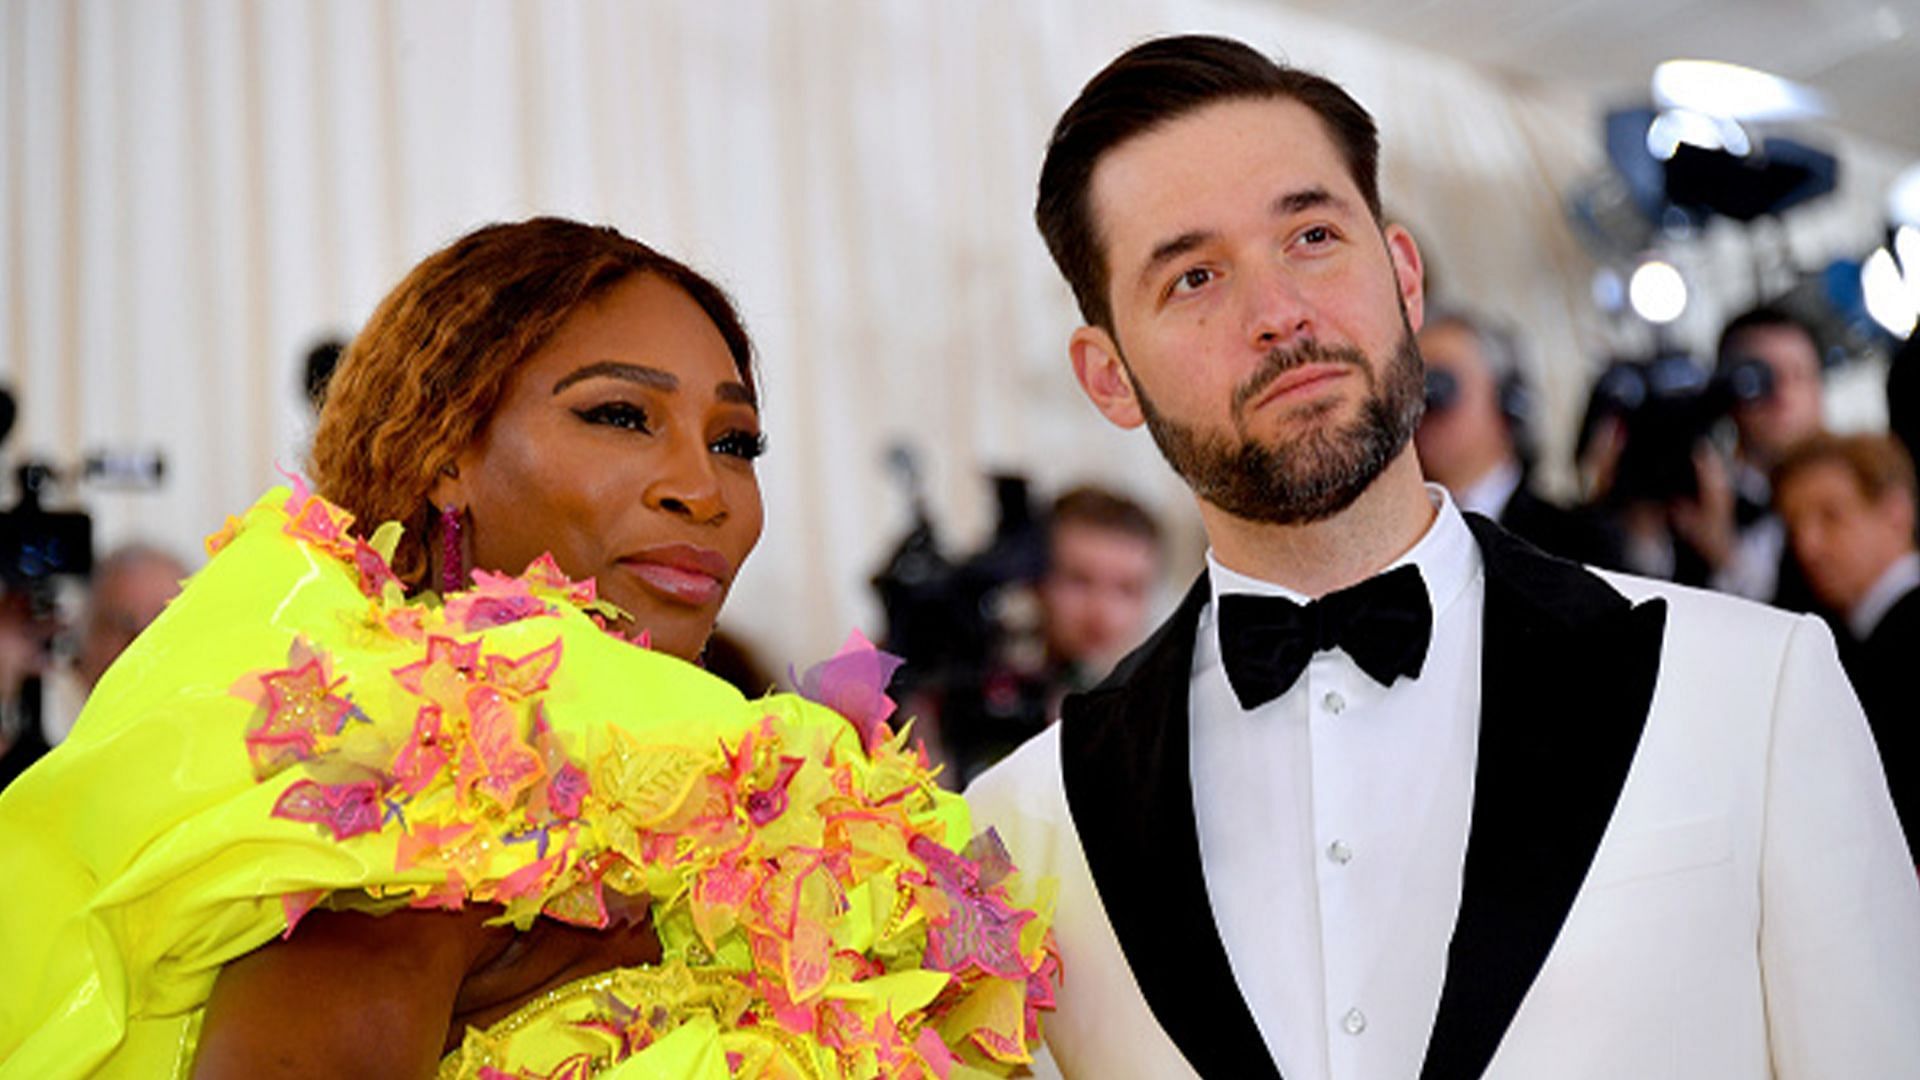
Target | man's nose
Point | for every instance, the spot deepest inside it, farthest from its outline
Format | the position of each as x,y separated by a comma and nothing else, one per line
1276,312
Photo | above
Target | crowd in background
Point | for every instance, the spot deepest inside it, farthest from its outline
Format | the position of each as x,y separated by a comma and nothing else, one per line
1728,482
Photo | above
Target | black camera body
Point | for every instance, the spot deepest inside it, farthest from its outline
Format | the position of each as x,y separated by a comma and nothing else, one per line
1667,406
958,624
38,544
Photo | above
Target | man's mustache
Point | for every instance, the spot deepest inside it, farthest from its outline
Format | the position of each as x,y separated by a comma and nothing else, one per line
1279,361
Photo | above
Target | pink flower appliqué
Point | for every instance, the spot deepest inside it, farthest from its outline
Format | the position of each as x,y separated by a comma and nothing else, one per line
980,929
767,804
854,684
345,809
375,574
495,600
299,706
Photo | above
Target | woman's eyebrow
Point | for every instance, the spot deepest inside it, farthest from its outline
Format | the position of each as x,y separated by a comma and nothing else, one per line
614,369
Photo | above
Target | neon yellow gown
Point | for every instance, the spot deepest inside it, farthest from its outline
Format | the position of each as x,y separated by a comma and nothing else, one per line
294,731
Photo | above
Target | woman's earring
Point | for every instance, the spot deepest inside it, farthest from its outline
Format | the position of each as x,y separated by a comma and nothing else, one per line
453,559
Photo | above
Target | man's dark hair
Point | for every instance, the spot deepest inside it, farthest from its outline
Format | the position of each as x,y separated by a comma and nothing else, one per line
1099,508
1765,316
1149,85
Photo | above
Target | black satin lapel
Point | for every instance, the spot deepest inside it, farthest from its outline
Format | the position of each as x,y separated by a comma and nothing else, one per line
1125,763
1567,676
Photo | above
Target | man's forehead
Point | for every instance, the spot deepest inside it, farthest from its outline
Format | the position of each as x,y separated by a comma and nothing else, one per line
1777,342
1139,188
1821,480
1452,342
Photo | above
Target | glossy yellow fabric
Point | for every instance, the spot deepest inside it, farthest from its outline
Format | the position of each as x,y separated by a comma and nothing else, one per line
143,854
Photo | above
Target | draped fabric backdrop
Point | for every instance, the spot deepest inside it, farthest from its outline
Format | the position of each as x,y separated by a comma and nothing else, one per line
194,191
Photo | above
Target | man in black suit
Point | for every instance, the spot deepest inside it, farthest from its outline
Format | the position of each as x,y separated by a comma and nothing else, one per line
1735,534
1848,503
1392,794
1477,438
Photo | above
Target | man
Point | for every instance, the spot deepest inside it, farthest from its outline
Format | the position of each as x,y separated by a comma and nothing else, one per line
1475,811
1095,565
1848,503
130,586
1732,526
1472,438
1103,560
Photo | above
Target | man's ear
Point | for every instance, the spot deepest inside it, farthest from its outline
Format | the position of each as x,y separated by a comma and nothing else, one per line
1103,376
1897,505
1409,274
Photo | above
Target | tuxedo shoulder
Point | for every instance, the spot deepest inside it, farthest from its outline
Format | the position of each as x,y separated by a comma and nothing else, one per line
1023,799
1692,610
1025,783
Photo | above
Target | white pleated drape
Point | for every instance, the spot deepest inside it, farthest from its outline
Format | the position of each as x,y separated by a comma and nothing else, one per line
194,191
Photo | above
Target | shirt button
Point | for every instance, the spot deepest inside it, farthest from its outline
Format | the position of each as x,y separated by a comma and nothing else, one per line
1340,853
1334,703
1354,1022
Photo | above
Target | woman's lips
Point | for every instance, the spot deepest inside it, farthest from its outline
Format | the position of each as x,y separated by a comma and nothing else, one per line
682,573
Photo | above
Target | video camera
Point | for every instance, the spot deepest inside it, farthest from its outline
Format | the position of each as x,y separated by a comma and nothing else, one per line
1667,406
969,628
36,543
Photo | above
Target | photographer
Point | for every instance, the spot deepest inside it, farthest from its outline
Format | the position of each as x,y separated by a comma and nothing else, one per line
1476,438
25,643
1732,527
993,642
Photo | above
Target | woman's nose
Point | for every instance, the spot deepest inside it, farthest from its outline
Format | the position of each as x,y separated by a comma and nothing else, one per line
687,484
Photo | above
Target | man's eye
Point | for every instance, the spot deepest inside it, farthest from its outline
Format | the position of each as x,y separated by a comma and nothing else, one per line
620,414
1192,279
1318,234
745,445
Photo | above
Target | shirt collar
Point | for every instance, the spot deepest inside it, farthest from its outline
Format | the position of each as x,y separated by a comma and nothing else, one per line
1490,494
1446,555
1895,582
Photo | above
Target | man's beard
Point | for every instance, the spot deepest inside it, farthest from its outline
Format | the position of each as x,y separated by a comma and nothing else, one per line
1318,473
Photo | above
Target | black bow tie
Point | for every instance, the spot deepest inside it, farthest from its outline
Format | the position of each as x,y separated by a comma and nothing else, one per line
1384,623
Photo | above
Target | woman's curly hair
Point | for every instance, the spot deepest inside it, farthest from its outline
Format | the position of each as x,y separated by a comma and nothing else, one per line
421,380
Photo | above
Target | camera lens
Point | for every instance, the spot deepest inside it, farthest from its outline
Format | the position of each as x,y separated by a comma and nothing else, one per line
1442,390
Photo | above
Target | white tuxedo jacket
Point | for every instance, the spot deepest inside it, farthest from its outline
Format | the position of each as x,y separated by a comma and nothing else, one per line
1683,860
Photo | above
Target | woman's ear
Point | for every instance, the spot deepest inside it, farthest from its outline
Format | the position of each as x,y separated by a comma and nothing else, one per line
448,489
1103,376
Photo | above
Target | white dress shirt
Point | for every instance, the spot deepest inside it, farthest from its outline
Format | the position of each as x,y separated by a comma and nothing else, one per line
1333,827
1753,568
1490,494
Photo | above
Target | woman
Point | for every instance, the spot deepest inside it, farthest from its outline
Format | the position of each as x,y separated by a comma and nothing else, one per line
319,823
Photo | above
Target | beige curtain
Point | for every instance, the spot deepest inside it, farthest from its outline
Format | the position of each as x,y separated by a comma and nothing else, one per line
194,191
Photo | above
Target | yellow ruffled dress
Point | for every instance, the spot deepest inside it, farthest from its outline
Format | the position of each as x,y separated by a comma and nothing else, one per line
294,731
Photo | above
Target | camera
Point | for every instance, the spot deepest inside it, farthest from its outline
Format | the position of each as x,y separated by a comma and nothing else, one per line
38,544
1666,406
968,628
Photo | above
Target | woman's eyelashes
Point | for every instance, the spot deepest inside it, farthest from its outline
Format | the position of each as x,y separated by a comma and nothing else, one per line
743,444
619,414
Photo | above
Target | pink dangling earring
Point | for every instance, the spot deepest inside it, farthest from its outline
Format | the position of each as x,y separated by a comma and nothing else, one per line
453,562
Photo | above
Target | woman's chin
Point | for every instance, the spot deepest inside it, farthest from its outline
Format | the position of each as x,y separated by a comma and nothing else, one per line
671,629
